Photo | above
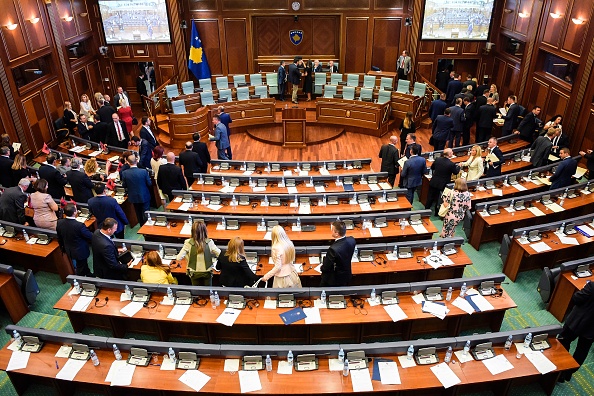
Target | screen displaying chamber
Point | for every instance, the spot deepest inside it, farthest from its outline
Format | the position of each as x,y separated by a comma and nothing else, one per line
457,19
135,21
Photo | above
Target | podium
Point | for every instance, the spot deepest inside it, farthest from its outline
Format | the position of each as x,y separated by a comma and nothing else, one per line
294,128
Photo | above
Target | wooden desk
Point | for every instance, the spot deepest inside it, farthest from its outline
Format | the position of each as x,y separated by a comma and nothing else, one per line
262,326
301,188
362,117
315,171
12,298
508,191
566,286
493,227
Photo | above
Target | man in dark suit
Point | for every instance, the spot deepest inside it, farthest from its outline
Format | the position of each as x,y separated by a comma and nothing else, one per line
6,167
411,140
437,107
457,116
103,207
294,77
481,99
85,127
482,88
529,125
82,186
220,137
389,155
563,176
412,173
190,162
469,116
542,148
560,140
469,81
121,94
332,68
317,66
579,323
443,169
484,124
454,88
170,176
201,149
442,128
494,158
74,238
105,253
226,120
336,268
117,133
282,81
100,132
138,184
147,134
12,203
511,116
55,180
104,111
404,65
141,88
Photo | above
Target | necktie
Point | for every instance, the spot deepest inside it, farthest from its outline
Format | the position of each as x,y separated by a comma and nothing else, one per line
402,64
119,130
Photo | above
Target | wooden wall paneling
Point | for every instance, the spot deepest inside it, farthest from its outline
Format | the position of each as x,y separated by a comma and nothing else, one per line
427,47
81,85
36,32
522,24
81,15
554,27
385,47
557,103
140,51
356,45
242,5
37,120
537,96
53,103
237,54
120,51
202,5
510,81
390,5
498,72
450,47
164,50
326,35
287,24
164,72
14,41
335,4
94,77
426,69
573,41
471,47
508,17
266,36
64,9
584,140
208,29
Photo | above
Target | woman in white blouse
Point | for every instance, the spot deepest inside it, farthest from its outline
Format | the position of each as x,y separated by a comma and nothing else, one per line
86,107
475,164
283,256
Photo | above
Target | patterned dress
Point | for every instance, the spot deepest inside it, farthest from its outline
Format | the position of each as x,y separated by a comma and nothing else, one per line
460,204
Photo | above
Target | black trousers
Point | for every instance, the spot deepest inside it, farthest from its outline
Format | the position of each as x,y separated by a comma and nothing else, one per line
391,178
466,135
81,267
139,209
433,196
566,337
483,134
401,75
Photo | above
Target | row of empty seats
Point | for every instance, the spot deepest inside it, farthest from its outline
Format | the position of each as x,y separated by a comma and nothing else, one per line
222,84
365,94
225,95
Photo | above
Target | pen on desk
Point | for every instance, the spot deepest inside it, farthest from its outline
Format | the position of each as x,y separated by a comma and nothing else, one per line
57,367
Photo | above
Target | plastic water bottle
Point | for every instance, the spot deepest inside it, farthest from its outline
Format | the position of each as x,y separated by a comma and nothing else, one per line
25,235
296,201
170,294
128,292
17,337
341,355
311,180
562,201
431,157
449,294
203,199
430,172
201,181
217,299
265,199
344,165
324,165
233,201
434,251
562,227
268,363
356,253
250,182
212,300
298,223
290,357
466,347
363,179
161,251
323,200
395,251
262,223
565,193
448,356
506,180
530,175
384,196
511,204
523,237
268,167
463,290
337,180
190,220
244,166
171,354
223,180
345,368
527,340
508,343
283,180
76,286
223,222
410,352
148,218
402,223
323,297
94,357
372,296
124,248
116,352
298,169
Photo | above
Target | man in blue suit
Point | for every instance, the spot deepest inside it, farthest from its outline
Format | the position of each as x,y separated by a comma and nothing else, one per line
437,107
103,207
412,173
220,138
565,170
105,253
442,128
226,120
511,117
457,116
74,238
137,183
282,81
147,134
454,87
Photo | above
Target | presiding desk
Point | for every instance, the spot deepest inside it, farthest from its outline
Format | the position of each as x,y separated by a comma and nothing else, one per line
258,325
473,375
362,117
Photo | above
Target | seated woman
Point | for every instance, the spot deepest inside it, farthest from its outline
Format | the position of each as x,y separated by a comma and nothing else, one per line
154,271
235,271
44,206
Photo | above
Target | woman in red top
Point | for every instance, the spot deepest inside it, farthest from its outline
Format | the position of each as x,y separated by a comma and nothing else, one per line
125,113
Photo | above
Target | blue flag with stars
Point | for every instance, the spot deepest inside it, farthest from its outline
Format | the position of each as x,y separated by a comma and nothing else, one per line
197,61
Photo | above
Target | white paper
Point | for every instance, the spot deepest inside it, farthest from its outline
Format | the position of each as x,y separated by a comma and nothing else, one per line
95,153
292,190
228,316
365,207
178,312
385,186
395,312
497,192
324,172
418,298
64,351
312,315
373,303
195,379
186,229
555,207
249,381
131,309
123,376
462,358
445,375
16,146
405,362
361,380
389,374
176,199
115,366
320,189
318,304
269,304
375,232
435,309
318,268
268,236
482,303
284,368
134,263
168,364
304,209
420,229
540,247
18,360
568,241
166,300
214,207
536,211
73,292
287,173
463,305
82,304
519,187
314,259
374,187
227,189
540,361
70,369
248,173
231,365
498,364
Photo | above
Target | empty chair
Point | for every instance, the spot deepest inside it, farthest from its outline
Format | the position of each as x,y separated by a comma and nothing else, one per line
403,86
366,93
369,81
172,91
206,98
238,79
335,78
348,93
225,93
256,79
187,87
178,106
243,93
272,82
353,80
419,89
329,91
262,91
222,82
205,84
387,83
384,96
320,81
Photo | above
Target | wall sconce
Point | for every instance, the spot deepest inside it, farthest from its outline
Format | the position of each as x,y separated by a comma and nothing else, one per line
523,15
555,15
507,11
11,26
577,21
83,14
67,18
34,20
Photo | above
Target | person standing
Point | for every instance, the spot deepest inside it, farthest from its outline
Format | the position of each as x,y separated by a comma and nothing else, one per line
104,111
220,138
44,206
437,107
120,94
141,88
55,180
86,108
529,126
563,176
412,173
459,203
226,120
336,267
454,87
138,184
104,207
147,134
282,81
235,271
125,114
475,164
283,257
5,167
542,148
190,163
105,254
74,238
170,177
442,128
308,80
589,156
511,116
404,65
82,186
12,203
494,159
469,116
200,250
117,134
201,149
294,78
485,116
389,155
457,116
20,170
443,169
407,126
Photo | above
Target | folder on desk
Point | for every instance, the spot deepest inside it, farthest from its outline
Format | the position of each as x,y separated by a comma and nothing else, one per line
293,315
348,187
376,373
585,230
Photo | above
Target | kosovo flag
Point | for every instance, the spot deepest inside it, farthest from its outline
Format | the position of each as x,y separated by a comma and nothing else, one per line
197,62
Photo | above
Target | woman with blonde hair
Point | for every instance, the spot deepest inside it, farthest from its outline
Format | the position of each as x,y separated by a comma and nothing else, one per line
493,93
235,271
154,271
125,113
200,250
86,108
44,206
20,170
70,117
283,256
90,169
458,202
406,126
475,164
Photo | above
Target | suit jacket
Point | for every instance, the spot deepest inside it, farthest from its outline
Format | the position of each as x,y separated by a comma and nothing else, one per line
170,177
442,80
480,89
436,108
105,258
294,76
220,137
85,132
74,238
82,186
226,120
528,127
191,162
12,205
138,184
469,114
581,318
443,168
117,97
201,149
150,138
235,274
485,115
55,181
457,115
6,172
563,175
112,138
336,268
389,155
282,75
317,69
511,118
104,113
103,207
495,168
407,150
140,86
413,171
454,87
542,147
407,63
146,153
100,132
442,127
560,142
